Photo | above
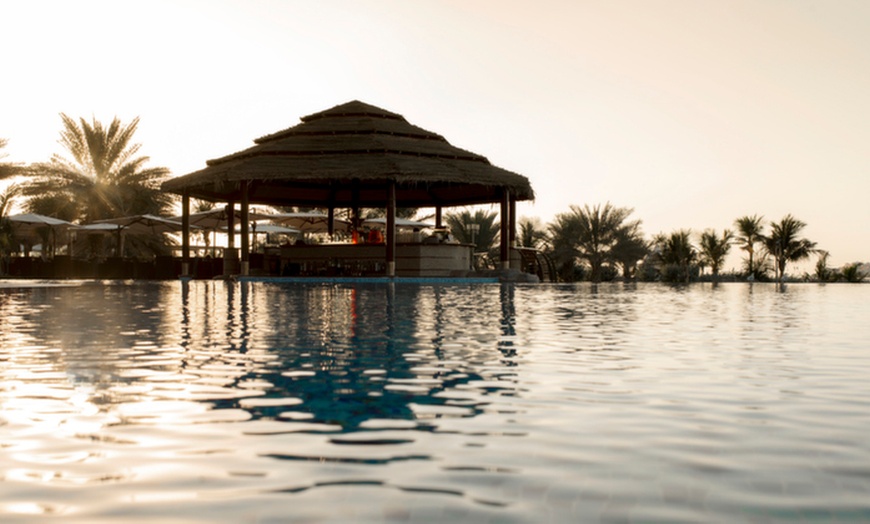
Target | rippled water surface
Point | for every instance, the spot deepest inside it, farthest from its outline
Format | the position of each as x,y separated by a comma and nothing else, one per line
269,402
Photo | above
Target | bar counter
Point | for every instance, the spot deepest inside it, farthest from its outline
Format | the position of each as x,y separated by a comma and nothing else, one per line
412,259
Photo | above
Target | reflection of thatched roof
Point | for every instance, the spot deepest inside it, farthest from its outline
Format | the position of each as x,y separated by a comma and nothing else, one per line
346,154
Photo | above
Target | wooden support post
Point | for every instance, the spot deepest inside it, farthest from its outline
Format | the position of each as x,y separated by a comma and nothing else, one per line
438,217
330,221
246,245
513,221
354,207
185,234
231,223
391,228
504,240
230,253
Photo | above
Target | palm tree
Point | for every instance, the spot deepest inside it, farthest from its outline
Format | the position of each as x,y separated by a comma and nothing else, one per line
562,245
630,248
750,231
7,236
483,238
852,273
531,234
598,230
7,170
6,199
678,254
103,179
784,245
823,272
714,249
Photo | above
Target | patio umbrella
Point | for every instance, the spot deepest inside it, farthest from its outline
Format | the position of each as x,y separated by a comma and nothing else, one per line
39,220
143,224
269,229
309,222
98,228
146,224
274,228
400,223
30,224
216,219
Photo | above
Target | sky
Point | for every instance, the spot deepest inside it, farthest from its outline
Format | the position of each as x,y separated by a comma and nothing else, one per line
691,112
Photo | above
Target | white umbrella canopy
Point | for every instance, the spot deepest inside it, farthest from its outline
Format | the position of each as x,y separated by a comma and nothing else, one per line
274,228
400,223
137,225
309,222
30,224
270,228
217,218
143,224
39,220
97,228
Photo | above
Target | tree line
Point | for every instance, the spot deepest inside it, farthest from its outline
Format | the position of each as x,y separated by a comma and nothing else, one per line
604,243
104,176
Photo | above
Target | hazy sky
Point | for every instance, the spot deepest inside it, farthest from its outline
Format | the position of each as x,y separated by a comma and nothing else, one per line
692,112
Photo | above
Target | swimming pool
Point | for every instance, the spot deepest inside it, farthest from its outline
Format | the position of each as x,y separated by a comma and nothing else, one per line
273,402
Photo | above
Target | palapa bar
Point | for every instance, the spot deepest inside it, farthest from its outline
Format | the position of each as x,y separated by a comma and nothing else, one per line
356,155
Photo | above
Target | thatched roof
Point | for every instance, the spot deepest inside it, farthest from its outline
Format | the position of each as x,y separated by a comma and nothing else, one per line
345,155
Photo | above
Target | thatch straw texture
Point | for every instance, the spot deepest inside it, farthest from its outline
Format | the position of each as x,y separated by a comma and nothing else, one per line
344,156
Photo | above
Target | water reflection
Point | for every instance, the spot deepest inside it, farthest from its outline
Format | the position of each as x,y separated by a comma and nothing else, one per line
332,355
461,403
348,355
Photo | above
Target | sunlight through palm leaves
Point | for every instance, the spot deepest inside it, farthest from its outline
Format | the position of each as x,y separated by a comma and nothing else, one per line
7,170
103,179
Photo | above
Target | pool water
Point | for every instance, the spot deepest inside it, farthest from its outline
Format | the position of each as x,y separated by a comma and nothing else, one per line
273,402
